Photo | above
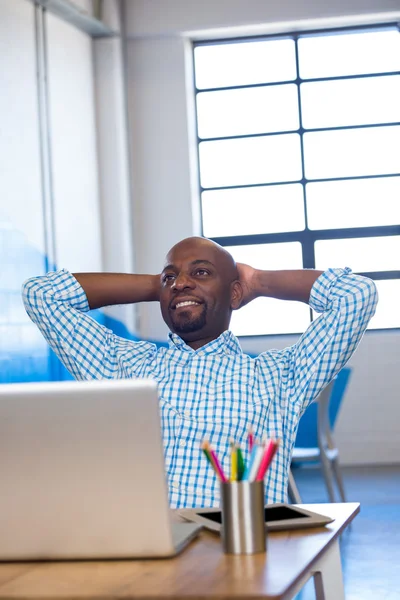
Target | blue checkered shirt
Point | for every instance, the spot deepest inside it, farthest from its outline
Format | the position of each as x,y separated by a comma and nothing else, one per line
217,391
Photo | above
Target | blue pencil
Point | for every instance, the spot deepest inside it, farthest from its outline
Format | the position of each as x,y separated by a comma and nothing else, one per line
253,463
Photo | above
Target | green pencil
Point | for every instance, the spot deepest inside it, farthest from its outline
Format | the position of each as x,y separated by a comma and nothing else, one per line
241,465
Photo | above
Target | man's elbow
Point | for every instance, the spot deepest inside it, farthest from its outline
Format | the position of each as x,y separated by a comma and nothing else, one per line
367,297
30,290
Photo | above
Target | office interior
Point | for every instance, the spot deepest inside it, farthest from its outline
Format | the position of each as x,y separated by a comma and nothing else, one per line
99,172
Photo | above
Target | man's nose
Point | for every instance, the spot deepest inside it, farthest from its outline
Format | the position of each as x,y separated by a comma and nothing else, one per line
183,281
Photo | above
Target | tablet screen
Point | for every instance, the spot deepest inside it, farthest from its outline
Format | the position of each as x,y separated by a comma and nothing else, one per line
272,513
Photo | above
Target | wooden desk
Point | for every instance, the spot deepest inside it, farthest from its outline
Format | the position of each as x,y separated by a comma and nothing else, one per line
202,571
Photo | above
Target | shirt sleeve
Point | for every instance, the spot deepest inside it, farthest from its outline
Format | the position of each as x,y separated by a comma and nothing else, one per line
346,303
57,304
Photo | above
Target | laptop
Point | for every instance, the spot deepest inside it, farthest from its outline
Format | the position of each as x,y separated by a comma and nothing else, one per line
82,473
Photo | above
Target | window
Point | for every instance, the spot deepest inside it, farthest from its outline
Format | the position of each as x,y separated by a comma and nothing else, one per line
299,160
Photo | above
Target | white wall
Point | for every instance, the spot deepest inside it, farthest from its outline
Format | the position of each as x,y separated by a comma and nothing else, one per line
22,234
89,151
113,161
163,157
26,232
73,147
161,18
165,197
20,170
109,11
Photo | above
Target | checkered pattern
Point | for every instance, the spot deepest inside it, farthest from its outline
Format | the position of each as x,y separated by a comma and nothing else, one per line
215,392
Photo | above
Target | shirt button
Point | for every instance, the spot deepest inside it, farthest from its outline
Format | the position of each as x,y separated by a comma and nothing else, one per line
182,443
187,414
193,378
175,484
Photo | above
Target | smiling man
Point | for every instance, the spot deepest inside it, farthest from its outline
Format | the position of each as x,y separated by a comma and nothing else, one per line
208,388
199,288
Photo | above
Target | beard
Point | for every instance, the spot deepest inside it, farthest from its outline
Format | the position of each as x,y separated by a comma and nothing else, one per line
186,323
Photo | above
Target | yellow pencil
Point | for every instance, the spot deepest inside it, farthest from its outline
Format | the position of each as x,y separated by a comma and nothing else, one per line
234,462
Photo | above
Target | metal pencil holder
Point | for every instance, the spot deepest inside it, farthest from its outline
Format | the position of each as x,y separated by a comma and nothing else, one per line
243,528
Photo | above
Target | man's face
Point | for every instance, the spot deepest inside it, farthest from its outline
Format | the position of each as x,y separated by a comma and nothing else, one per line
196,290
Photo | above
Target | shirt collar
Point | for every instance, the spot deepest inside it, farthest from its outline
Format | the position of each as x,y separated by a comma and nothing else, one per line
226,343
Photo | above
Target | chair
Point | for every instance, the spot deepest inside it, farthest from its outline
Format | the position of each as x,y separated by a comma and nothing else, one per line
314,441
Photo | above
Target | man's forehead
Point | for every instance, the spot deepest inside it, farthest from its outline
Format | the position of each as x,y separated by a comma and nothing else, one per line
171,264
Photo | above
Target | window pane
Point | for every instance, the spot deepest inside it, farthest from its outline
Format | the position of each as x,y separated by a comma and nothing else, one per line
360,254
250,160
335,54
286,255
268,315
387,312
246,111
244,63
350,102
353,203
246,211
352,152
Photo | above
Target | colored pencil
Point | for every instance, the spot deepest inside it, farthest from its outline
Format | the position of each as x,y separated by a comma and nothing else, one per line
256,463
234,462
206,451
241,465
213,460
269,453
218,467
254,459
250,439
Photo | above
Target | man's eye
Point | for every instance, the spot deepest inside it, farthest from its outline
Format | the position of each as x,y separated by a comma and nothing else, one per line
202,272
168,278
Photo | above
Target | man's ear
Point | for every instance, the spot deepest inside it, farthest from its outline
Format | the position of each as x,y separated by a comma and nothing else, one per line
236,295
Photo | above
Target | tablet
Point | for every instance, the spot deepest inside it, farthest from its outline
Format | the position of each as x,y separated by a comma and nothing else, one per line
278,517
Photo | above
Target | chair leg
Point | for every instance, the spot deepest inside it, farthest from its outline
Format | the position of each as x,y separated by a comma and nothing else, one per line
293,490
339,480
328,476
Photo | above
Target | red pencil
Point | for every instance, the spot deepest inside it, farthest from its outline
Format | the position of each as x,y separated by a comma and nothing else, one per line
266,460
218,467
250,439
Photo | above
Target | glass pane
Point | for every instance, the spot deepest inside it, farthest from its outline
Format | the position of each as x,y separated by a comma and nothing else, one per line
335,54
387,312
247,211
352,152
350,102
244,63
360,254
250,160
267,315
246,111
286,255
353,203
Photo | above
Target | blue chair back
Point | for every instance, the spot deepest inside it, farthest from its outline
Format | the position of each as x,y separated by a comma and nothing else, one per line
307,431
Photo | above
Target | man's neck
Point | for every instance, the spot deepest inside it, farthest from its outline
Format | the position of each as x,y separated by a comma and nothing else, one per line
200,342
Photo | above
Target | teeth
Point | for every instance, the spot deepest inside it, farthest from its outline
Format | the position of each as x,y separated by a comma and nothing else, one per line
187,303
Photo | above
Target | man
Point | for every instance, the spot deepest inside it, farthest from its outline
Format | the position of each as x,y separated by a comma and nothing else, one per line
208,388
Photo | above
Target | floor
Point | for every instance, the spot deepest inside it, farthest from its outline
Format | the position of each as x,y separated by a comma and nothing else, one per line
371,547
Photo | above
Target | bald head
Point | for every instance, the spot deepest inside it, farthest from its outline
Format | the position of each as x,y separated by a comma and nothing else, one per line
199,290
205,247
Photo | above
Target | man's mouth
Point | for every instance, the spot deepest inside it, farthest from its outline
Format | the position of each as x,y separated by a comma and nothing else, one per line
186,303
177,303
